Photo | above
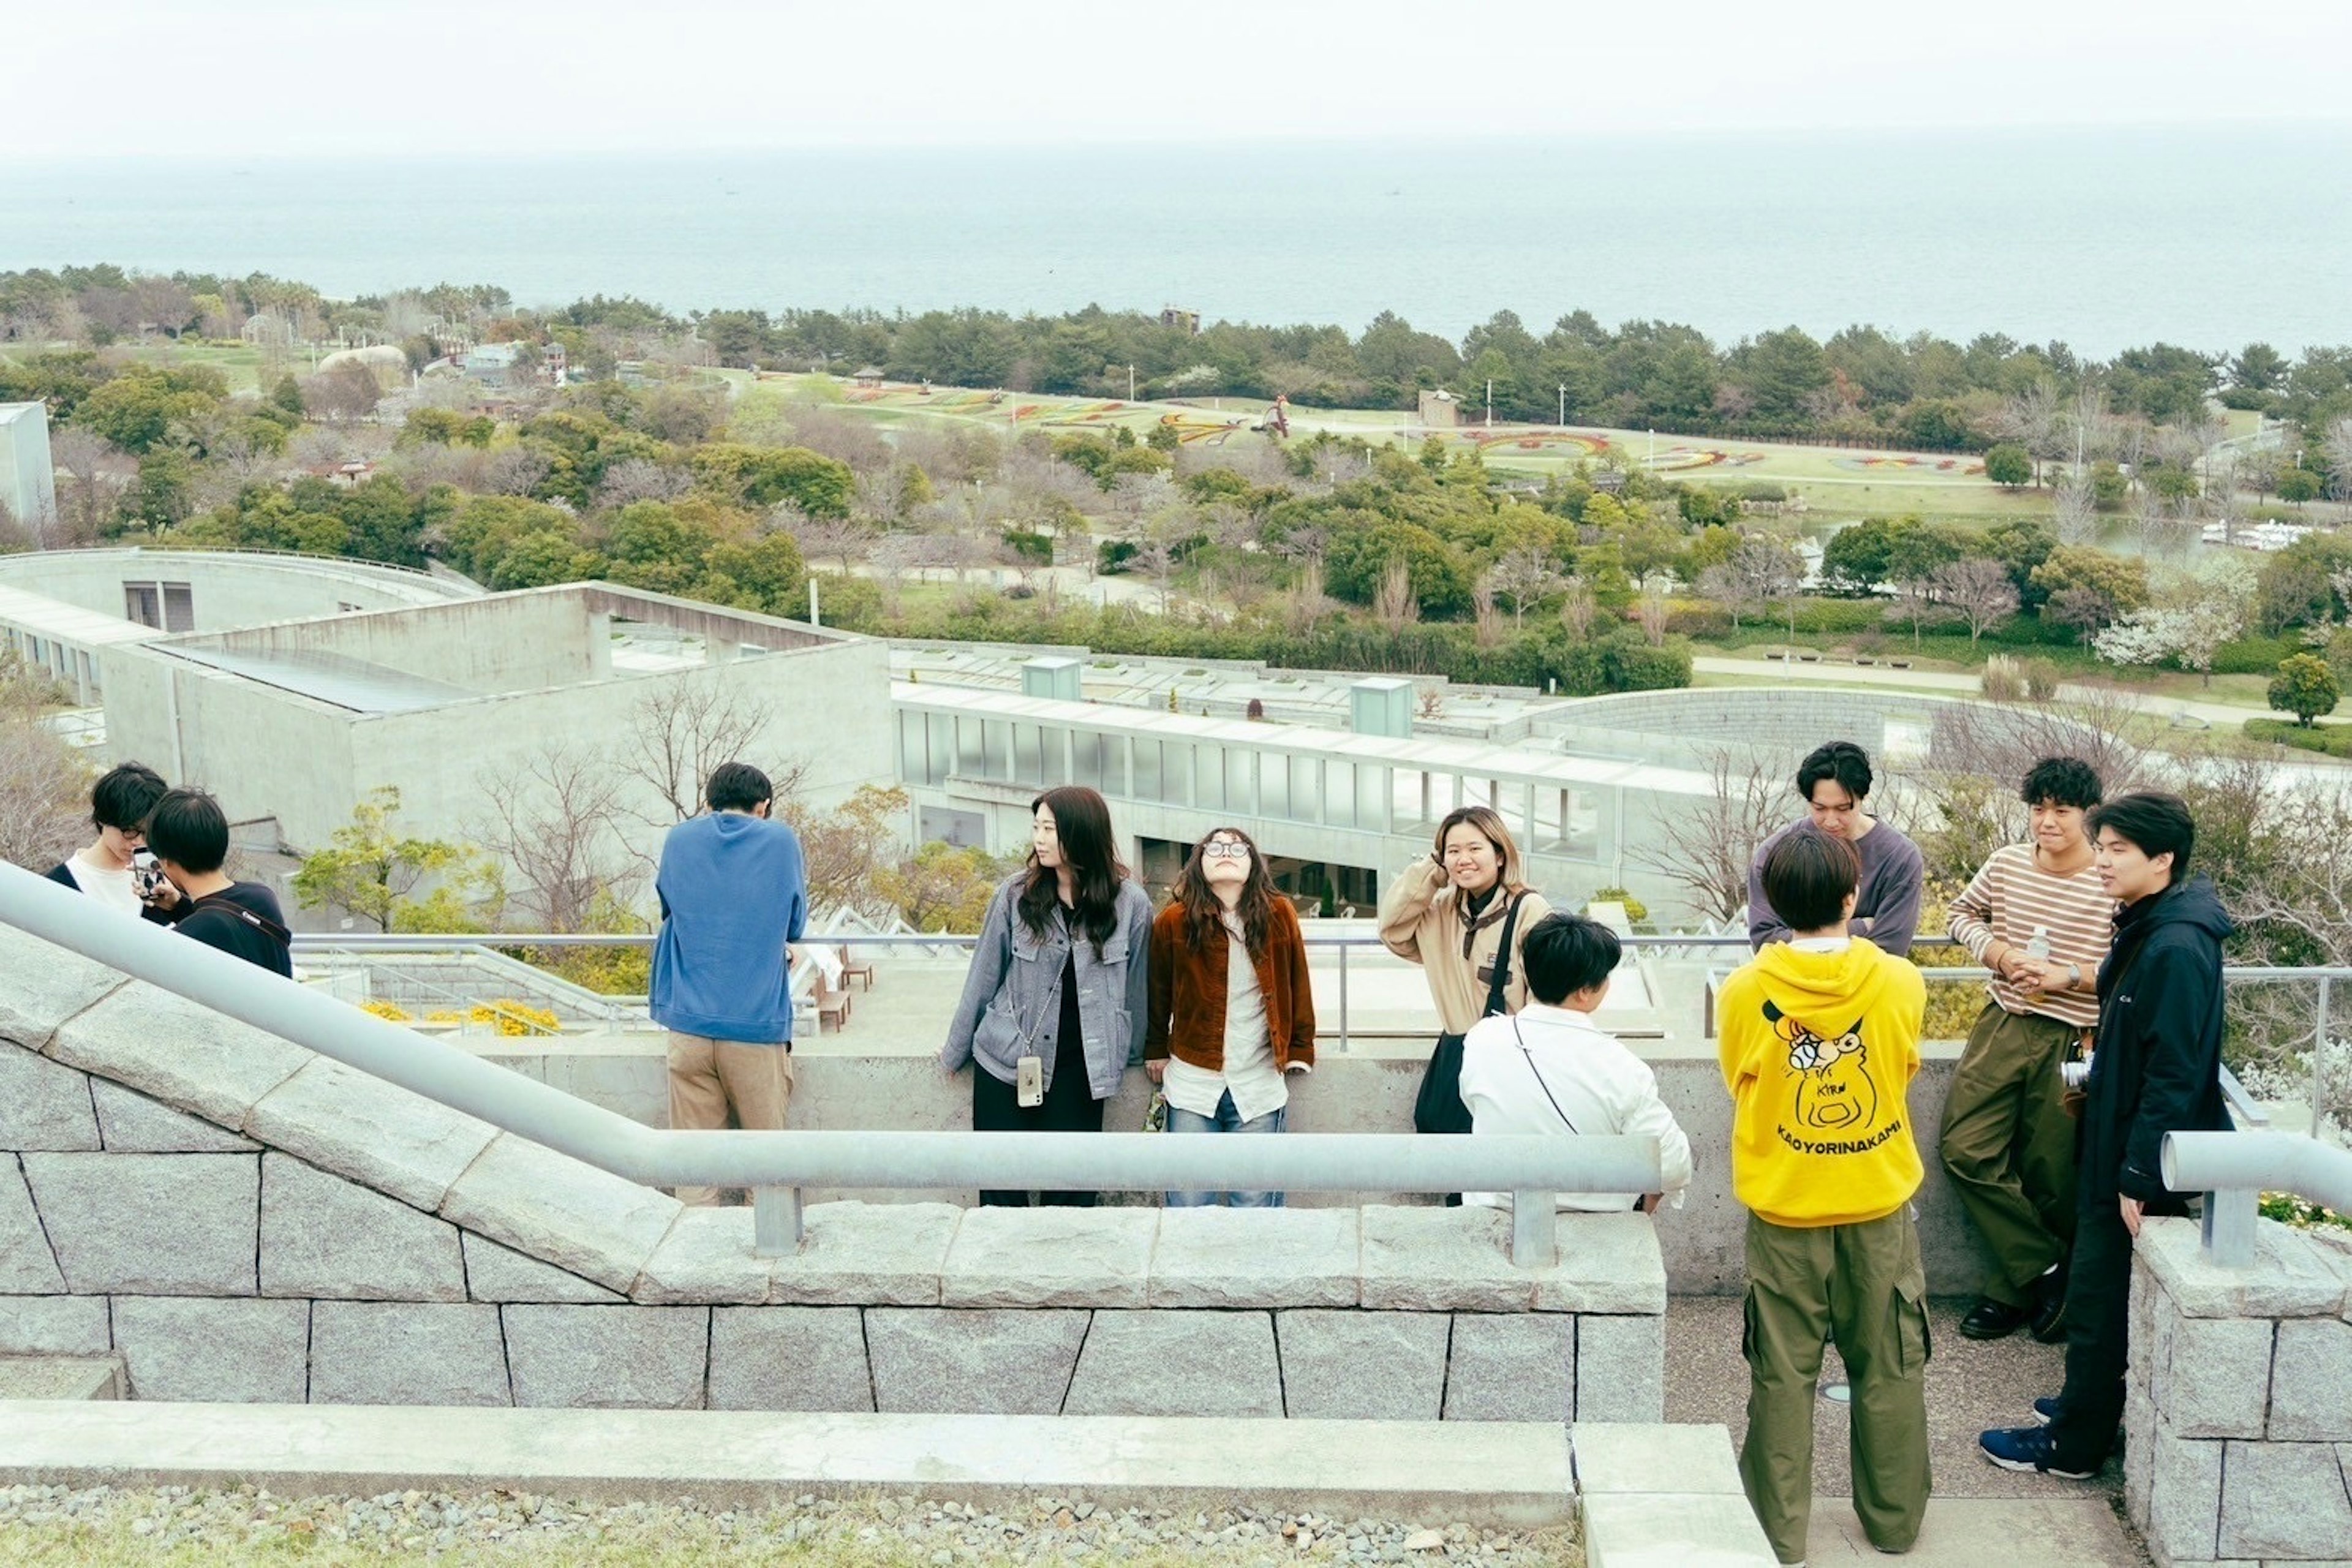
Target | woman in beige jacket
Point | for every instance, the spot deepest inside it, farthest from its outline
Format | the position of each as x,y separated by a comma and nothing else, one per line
1449,914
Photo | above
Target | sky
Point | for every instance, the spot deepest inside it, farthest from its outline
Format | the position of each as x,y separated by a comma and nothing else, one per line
268,78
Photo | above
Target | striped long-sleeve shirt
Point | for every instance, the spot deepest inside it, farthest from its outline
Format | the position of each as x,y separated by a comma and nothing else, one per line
2010,899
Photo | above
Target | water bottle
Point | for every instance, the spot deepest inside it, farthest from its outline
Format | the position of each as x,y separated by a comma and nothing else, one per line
2038,949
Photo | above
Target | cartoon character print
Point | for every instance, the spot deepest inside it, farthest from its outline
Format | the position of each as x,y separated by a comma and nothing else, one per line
1834,1094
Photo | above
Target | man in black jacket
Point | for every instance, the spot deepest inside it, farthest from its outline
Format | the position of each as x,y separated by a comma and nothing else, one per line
2156,1069
189,835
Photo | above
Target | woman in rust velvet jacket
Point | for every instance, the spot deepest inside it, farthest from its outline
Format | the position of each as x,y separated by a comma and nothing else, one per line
1232,1016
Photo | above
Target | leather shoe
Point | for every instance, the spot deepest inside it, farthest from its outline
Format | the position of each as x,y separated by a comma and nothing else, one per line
2050,1305
1992,1320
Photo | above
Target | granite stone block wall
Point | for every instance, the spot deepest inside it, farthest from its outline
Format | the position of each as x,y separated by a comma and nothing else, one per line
240,1220
2237,1418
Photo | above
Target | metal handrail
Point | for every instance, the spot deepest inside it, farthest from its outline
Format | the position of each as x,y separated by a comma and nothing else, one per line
2232,1170
778,1166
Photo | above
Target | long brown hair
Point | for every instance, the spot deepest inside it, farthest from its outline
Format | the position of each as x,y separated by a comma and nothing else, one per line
1489,824
1082,829
1205,912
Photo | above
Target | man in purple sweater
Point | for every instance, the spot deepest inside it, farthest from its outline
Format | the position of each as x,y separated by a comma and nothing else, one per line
1835,780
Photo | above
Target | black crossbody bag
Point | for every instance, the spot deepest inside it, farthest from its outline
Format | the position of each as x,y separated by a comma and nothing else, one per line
1438,1107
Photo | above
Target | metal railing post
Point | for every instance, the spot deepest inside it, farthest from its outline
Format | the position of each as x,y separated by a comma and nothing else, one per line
1535,1230
1343,998
775,1221
2227,1230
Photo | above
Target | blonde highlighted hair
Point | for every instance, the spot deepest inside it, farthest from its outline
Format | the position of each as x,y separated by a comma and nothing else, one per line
1489,824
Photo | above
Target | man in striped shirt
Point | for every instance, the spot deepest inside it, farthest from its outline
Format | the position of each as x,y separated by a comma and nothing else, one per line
2038,917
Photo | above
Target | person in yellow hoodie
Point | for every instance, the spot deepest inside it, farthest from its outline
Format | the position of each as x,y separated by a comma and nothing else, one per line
1820,1039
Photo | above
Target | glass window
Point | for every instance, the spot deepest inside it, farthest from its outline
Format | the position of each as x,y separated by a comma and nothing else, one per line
911,746
1273,784
971,755
1305,786
939,747
1240,763
1209,777
1568,823
179,608
996,740
1053,744
1028,767
1176,772
1114,763
1146,770
1085,759
1339,793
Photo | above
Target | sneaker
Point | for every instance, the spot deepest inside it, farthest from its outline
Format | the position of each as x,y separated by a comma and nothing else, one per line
2027,1449
2045,1410
1992,1320
2050,1305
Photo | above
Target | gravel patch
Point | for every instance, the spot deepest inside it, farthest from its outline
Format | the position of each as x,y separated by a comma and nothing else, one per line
62,1525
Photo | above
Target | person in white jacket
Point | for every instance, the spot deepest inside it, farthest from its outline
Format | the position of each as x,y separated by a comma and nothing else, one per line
1549,1068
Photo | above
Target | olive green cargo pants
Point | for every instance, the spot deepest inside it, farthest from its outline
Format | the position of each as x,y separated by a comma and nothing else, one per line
2008,1145
1863,1286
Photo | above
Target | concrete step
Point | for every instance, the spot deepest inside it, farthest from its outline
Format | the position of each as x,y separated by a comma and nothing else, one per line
61,1377
1504,1474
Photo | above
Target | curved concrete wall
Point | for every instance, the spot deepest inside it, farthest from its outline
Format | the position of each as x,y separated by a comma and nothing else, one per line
228,589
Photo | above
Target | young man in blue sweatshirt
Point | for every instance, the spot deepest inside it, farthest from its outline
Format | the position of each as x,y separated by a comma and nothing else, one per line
734,893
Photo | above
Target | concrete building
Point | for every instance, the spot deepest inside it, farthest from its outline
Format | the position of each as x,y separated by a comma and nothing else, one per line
1336,812
28,486
63,610
298,720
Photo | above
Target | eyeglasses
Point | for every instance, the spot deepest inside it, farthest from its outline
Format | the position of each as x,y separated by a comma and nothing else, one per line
1224,851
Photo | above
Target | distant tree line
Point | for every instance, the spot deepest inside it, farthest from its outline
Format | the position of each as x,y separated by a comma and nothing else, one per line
1862,384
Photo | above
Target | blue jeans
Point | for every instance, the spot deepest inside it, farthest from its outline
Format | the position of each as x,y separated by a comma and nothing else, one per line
1226,1119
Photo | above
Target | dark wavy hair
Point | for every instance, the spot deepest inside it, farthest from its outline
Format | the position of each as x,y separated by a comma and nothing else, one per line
1204,910
1082,828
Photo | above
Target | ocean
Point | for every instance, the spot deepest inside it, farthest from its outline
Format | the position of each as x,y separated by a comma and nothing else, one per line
2101,238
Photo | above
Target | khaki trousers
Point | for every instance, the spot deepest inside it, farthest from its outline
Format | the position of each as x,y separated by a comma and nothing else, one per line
718,1084
2008,1145
1863,1286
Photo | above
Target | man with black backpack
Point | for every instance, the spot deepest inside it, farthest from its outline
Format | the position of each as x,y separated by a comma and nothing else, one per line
188,833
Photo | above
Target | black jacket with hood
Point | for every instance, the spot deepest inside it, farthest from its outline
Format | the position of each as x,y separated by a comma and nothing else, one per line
2157,1066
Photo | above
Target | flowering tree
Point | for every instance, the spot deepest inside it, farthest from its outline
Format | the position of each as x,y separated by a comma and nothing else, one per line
2189,627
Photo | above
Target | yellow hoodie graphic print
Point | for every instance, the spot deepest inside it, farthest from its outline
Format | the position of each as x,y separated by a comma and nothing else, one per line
1818,1050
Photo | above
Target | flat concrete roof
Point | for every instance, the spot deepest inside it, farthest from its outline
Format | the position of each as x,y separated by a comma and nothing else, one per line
46,618
333,679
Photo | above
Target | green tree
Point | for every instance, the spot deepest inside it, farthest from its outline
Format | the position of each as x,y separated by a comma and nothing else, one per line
762,476
2009,465
135,412
370,869
2108,485
2297,486
2305,687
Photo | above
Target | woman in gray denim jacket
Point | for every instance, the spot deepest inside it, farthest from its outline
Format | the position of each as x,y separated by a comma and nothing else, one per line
1059,977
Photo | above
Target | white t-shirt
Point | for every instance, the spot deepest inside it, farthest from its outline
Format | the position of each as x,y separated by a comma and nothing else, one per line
108,887
1598,1085
1250,1075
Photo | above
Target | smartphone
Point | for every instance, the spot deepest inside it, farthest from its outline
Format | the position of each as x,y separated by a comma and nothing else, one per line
146,873
1029,1082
